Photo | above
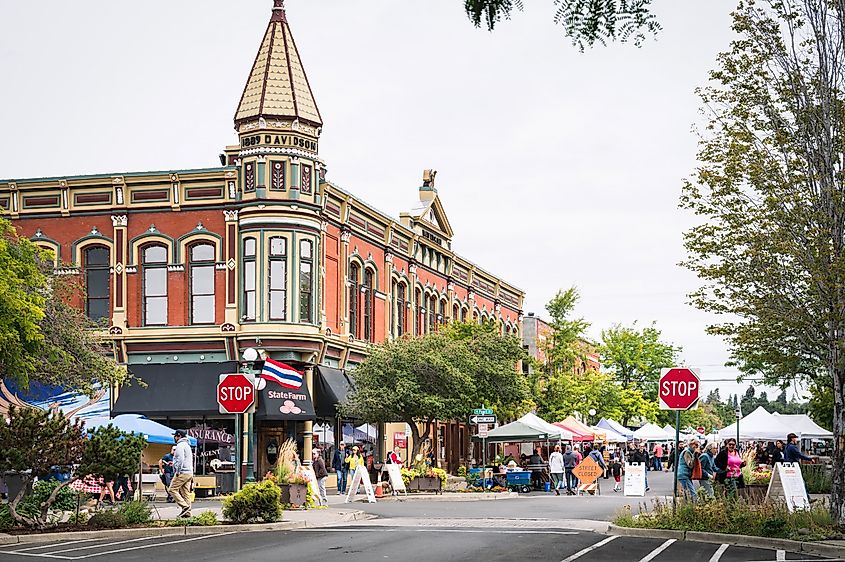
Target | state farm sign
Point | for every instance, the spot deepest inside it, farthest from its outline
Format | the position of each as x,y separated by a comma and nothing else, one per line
679,388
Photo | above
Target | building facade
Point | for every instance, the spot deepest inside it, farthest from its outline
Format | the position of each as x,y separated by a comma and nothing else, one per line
536,336
186,269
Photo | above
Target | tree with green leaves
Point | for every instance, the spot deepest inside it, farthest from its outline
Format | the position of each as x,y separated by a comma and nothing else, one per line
585,22
43,337
769,192
35,442
439,376
635,357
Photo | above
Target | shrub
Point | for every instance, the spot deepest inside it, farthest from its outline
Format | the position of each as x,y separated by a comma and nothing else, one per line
818,478
462,471
107,520
255,502
78,519
735,516
6,521
136,512
205,519
66,499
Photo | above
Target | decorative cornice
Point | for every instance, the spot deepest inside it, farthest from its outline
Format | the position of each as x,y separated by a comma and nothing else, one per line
231,216
119,220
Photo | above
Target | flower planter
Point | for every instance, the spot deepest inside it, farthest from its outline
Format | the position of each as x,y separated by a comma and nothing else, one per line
754,493
285,488
427,484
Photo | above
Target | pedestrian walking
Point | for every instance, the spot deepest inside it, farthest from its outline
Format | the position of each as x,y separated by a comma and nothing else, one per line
658,457
616,471
708,468
121,488
556,469
792,452
340,467
354,460
689,469
165,467
670,457
183,473
777,452
319,466
729,464
107,489
570,461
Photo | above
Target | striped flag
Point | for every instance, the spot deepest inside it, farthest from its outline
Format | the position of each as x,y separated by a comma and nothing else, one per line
282,374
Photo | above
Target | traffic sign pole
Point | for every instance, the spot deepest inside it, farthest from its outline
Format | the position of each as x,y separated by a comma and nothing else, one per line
677,458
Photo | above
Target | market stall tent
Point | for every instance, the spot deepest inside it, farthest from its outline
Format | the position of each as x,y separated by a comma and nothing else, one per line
606,423
758,425
555,431
652,432
804,426
516,432
580,432
609,436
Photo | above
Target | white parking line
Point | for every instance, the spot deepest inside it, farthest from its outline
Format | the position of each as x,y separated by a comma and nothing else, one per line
57,556
589,549
104,545
718,554
168,543
653,554
435,530
781,555
52,544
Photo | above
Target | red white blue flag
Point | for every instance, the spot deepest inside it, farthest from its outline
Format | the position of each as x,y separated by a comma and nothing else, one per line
282,374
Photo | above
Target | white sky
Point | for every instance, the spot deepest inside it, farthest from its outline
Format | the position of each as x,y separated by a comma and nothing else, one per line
556,168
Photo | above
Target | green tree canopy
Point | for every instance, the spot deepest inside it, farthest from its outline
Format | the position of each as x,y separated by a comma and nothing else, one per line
42,337
585,22
770,197
635,357
439,376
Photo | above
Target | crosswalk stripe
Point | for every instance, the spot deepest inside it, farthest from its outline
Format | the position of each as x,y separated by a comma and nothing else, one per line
581,553
653,554
718,554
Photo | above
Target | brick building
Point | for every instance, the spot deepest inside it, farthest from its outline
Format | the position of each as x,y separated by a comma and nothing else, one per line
536,335
188,268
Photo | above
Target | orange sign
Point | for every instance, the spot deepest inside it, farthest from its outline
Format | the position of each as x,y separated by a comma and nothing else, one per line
588,471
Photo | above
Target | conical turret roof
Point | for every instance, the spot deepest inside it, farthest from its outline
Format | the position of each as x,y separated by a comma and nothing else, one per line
277,86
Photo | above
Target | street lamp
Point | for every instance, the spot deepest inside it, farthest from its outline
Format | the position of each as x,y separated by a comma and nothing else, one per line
592,412
250,356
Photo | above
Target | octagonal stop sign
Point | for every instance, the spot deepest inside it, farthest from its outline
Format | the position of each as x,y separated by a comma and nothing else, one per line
679,388
235,393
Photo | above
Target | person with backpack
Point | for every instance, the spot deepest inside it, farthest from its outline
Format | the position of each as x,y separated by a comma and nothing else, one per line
689,469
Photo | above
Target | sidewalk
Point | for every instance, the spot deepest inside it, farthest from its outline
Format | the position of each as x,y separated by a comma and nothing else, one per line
332,515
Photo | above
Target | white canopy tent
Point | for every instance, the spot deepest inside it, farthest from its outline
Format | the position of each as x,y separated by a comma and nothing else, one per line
758,425
555,432
652,432
804,426
610,436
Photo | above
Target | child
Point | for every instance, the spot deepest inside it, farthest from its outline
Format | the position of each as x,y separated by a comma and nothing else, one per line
616,471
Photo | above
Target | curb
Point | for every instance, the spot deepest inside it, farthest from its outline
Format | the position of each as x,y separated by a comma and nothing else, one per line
454,496
178,531
819,548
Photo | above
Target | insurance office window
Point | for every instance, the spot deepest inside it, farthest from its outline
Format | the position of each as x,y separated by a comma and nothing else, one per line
306,267
202,284
97,283
249,279
154,263
278,279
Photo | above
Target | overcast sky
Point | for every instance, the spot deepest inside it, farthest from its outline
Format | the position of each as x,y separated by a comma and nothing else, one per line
556,168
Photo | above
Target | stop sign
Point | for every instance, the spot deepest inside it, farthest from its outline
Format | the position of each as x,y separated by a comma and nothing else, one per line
678,389
235,393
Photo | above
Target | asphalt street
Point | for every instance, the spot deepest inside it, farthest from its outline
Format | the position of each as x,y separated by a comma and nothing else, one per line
362,543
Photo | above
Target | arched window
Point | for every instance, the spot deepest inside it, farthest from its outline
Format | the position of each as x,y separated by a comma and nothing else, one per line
97,283
420,313
456,315
369,302
441,319
463,314
154,263
354,291
278,279
306,266
202,283
432,314
400,310
249,279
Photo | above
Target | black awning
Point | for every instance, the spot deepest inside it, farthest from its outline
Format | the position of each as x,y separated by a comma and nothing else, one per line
330,388
175,389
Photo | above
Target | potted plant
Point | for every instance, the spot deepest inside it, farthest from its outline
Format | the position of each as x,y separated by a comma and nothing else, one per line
298,490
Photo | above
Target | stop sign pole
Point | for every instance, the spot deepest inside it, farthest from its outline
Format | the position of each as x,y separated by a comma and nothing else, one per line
236,394
678,390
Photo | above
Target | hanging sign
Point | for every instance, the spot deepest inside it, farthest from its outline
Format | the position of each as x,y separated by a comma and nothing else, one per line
787,483
635,479
400,440
361,476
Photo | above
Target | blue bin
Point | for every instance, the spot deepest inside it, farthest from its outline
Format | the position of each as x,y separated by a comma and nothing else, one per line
548,486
